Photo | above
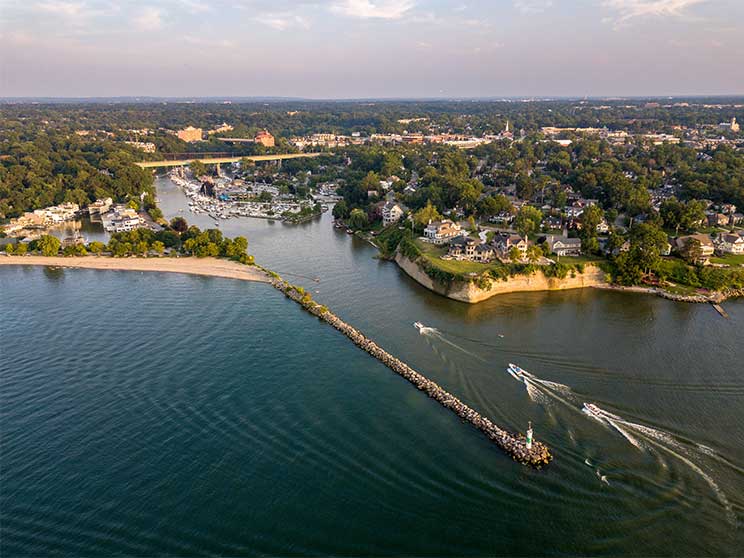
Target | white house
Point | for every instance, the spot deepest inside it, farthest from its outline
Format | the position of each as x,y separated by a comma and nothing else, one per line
439,232
391,213
730,244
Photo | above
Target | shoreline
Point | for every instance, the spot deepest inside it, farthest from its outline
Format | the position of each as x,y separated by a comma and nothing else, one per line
208,267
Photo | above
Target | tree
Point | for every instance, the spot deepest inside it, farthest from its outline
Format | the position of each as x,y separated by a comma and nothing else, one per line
515,254
9,249
692,250
534,253
341,210
358,219
179,224
48,245
426,214
198,168
493,205
528,220
96,247
590,218
265,197
158,247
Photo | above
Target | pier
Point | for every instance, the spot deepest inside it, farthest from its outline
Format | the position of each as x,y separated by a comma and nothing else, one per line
515,445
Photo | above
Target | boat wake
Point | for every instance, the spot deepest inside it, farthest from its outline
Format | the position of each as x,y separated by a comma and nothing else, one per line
434,333
640,436
645,437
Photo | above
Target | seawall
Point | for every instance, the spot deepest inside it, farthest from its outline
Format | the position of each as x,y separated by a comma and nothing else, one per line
513,444
471,293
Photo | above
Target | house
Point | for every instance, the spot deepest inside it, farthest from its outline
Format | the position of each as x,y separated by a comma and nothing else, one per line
472,249
391,213
503,243
706,244
564,246
100,206
122,219
730,244
439,232
718,220
603,227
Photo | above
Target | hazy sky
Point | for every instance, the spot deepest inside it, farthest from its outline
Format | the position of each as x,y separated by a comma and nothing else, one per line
371,48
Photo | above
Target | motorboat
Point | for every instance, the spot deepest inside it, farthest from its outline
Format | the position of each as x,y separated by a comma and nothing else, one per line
592,410
418,325
518,373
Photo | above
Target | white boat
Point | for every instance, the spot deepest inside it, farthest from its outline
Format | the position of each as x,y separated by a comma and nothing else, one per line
418,325
592,410
516,372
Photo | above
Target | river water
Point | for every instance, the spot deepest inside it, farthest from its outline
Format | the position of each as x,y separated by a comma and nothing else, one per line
175,415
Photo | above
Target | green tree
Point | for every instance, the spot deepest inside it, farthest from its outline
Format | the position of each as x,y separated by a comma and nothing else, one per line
179,224
96,247
9,249
534,253
528,220
341,210
358,219
692,250
425,215
158,247
515,254
48,245
198,168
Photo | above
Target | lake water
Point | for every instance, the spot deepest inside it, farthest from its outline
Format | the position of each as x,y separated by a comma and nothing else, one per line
156,414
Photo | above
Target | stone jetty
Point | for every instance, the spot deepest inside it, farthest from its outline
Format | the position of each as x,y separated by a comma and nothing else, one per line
513,444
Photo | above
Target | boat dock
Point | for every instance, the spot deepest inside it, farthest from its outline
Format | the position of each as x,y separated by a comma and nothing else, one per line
720,310
535,454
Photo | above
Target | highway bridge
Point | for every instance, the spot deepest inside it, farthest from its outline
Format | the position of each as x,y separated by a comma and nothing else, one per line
210,159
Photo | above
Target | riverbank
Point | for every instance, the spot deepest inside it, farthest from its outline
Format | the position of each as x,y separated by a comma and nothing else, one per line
210,267
471,293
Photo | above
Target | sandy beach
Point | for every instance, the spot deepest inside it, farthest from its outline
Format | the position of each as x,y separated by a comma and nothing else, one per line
212,267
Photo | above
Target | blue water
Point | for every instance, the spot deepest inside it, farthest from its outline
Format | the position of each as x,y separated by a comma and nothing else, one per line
160,414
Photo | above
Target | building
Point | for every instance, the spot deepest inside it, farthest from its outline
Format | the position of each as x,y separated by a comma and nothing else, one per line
391,213
505,242
146,146
190,134
225,127
718,220
265,138
121,219
707,248
732,126
58,213
439,232
730,244
99,207
564,246
471,249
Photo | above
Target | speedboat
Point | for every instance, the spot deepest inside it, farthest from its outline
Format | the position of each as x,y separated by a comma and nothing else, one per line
418,325
592,410
516,372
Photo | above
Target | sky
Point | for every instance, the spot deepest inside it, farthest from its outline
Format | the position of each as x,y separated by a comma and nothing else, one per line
371,48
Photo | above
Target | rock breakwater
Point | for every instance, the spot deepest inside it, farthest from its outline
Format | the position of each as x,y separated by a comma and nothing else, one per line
513,444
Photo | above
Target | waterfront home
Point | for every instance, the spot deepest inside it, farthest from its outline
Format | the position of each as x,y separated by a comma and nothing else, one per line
391,213
99,207
504,242
707,248
439,232
122,219
563,246
603,227
730,244
470,249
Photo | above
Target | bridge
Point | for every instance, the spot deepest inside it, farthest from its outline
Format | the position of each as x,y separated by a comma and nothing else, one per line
210,159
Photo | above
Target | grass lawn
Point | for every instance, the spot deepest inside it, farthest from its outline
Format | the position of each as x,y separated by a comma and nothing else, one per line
729,259
434,253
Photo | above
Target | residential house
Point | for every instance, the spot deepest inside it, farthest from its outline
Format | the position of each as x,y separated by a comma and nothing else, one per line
265,138
563,245
439,232
730,244
504,242
190,134
718,220
707,248
391,213
472,249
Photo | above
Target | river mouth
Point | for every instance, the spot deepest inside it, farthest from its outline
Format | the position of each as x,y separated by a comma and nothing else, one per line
165,414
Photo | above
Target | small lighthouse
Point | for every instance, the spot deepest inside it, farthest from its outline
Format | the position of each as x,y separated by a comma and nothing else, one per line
529,435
